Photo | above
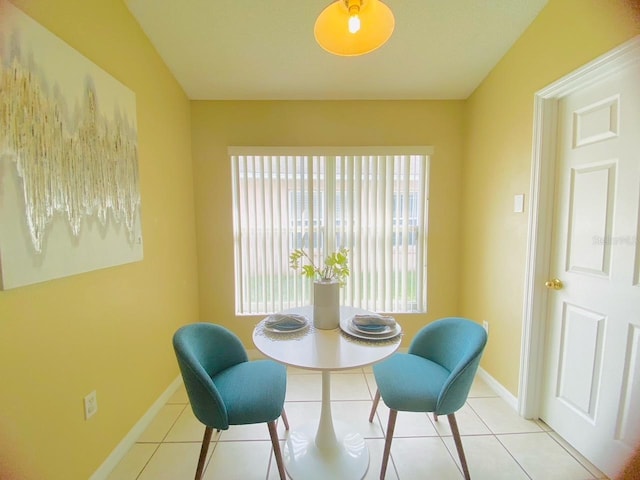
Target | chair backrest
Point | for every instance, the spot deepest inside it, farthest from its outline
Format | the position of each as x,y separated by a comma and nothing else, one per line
203,350
456,344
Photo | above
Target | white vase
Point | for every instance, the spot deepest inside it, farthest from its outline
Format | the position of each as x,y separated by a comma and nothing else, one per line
326,305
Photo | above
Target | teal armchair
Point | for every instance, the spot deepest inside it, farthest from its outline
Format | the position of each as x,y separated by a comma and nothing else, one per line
225,389
435,376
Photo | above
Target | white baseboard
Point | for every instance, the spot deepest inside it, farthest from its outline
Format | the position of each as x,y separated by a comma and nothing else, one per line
130,438
497,387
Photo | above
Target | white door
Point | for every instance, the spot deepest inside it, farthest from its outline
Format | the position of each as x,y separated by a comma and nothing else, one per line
591,382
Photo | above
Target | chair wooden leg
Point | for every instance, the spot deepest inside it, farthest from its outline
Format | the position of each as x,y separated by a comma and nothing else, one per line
456,437
285,420
276,449
376,399
393,414
208,431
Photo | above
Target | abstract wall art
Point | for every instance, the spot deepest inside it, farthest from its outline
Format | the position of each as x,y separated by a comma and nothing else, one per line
69,183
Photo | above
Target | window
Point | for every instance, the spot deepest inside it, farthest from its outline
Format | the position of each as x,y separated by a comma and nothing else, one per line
371,200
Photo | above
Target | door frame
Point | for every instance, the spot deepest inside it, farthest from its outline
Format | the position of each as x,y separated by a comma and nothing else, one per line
540,223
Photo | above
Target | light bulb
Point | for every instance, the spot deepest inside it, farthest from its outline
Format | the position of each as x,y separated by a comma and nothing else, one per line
354,23
354,18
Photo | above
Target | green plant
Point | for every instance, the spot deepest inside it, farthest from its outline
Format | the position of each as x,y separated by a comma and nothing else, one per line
336,265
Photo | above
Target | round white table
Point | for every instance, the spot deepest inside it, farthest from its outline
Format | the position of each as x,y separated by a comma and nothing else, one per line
324,451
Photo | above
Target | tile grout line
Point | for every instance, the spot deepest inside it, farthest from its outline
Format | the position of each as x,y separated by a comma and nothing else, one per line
511,455
496,436
162,440
148,460
208,462
480,416
459,467
593,477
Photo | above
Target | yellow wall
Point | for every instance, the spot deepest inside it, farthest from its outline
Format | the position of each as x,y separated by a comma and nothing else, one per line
108,330
497,162
216,125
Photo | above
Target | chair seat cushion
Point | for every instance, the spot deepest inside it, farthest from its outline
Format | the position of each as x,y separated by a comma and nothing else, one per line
253,392
409,382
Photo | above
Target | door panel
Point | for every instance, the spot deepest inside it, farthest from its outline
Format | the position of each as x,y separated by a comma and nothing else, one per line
592,198
596,122
629,417
581,361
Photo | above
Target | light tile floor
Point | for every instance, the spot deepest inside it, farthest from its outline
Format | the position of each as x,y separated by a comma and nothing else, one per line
498,443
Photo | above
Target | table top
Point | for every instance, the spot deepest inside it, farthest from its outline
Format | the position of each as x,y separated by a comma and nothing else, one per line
318,349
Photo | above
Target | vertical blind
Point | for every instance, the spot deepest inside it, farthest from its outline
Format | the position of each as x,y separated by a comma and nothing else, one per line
372,201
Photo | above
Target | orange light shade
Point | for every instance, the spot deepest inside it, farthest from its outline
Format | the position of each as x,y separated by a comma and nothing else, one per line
332,28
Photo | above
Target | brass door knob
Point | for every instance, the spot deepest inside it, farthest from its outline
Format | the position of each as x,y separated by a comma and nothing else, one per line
554,284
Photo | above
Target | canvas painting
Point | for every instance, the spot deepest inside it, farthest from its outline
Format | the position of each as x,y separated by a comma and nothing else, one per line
69,183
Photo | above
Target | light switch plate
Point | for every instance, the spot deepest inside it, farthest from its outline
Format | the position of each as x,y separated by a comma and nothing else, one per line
518,203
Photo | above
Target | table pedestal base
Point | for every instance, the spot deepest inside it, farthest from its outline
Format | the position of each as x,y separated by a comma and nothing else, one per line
347,460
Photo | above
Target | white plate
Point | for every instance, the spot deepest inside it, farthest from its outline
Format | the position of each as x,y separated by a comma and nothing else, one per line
347,327
277,329
382,331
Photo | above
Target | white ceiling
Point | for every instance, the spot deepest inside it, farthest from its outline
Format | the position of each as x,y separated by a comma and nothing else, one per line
265,49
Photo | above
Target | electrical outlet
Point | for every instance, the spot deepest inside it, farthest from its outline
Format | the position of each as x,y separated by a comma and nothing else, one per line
485,325
90,405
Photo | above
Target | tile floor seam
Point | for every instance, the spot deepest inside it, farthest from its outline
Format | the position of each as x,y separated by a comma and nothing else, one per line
237,440
372,394
148,460
208,462
393,463
593,477
391,459
511,455
173,442
459,467
480,417
173,424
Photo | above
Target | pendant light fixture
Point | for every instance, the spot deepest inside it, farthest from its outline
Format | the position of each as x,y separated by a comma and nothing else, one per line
354,27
